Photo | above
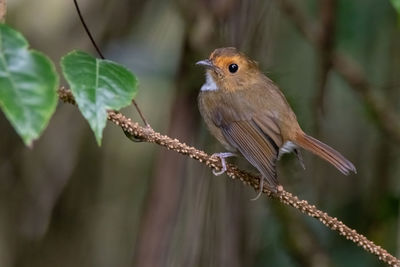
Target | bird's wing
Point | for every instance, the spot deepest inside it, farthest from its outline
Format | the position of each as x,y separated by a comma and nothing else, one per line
258,140
251,126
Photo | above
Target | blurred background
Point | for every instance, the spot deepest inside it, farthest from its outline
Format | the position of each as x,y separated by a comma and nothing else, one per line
68,202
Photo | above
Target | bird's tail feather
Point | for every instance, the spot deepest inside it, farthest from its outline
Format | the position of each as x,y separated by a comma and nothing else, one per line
326,152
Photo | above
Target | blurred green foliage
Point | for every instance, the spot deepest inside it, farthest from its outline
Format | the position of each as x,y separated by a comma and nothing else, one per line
396,5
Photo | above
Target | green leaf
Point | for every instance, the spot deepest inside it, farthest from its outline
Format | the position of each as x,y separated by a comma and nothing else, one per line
98,85
28,84
396,5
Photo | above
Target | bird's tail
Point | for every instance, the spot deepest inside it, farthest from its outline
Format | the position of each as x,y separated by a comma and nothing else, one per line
326,152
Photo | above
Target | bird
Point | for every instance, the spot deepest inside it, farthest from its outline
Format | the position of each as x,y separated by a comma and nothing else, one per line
249,115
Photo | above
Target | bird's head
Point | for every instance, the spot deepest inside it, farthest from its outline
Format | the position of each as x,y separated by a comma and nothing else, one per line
229,68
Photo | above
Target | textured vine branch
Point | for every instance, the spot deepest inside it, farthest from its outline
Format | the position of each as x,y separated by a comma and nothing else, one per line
351,72
147,134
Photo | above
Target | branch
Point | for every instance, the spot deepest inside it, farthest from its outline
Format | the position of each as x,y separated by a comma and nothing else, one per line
388,119
351,72
147,134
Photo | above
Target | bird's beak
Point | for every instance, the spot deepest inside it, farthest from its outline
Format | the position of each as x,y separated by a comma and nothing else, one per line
209,65
206,63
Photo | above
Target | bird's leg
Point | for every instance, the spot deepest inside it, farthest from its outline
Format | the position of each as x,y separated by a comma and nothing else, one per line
289,147
222,156
299,157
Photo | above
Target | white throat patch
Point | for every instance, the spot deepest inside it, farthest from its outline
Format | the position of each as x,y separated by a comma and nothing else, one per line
210,84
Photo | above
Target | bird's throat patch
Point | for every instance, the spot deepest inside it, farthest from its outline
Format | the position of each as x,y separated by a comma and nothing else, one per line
210,84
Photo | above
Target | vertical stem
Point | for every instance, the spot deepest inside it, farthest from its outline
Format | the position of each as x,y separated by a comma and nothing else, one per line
3,10
325,46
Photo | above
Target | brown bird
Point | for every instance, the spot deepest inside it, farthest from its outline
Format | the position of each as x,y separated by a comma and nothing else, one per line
248,113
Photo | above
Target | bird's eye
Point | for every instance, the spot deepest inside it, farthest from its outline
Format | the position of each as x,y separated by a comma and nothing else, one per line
233,68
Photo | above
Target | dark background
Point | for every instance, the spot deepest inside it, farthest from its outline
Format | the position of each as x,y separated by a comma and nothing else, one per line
68,202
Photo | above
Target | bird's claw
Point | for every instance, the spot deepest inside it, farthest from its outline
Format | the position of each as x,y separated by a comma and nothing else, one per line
260,189
222,156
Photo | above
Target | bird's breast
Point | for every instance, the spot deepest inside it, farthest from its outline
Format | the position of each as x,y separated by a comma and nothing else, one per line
210,109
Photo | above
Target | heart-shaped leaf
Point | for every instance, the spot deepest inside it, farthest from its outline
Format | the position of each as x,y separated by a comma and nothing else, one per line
98,85
28,84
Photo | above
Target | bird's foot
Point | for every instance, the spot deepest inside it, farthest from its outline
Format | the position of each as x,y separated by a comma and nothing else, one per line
222,156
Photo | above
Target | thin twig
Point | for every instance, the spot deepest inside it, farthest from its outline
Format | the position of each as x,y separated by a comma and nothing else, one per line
389,120
87,30
140,113
147,134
